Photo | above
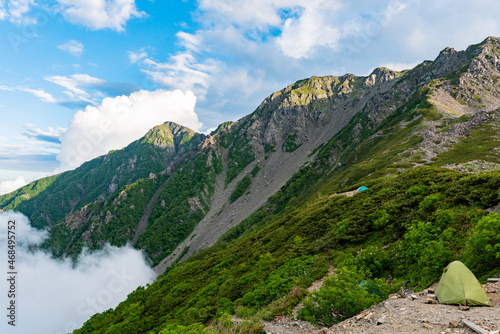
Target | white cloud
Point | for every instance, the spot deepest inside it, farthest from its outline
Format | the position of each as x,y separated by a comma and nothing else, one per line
303,25
9,186
72,46
135,57
94,14
83,89
55,296
50,136
189,41
77,86
259,14
118,121
16,152
100,14
313,28
3,12
29,156
75,82
182,72
18,10
42,95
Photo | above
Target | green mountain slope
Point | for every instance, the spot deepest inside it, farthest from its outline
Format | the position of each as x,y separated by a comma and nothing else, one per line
409,224
407,127
50,200
173,185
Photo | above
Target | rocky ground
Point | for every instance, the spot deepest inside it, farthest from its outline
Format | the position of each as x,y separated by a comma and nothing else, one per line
409,314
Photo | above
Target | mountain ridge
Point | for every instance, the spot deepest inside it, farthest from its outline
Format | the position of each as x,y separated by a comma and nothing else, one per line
285,133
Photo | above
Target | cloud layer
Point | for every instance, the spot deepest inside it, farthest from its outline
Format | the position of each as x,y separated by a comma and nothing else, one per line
118,121
55,296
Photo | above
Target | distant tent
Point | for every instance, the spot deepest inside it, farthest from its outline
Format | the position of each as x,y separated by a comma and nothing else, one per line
458,285
360,189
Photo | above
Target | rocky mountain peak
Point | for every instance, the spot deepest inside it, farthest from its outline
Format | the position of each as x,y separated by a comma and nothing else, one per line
380,75
448,61
170,135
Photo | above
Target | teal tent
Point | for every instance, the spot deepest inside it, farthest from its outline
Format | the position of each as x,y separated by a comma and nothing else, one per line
360,189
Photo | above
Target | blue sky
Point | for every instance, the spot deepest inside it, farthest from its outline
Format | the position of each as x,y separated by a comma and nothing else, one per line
81,77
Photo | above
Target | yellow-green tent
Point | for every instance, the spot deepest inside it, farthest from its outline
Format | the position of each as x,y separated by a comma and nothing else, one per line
458,285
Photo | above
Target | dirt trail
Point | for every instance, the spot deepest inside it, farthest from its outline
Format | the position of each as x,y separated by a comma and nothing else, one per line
348,193
143,223
290,324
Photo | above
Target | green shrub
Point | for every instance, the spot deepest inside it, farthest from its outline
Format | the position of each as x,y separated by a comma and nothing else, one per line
295,272
425,252
482,250
241,187
419,189
429,202
343,295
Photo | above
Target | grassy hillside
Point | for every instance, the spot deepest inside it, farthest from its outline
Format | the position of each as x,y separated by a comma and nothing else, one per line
407,226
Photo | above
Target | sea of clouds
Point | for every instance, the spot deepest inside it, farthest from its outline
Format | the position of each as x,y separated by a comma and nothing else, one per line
59,295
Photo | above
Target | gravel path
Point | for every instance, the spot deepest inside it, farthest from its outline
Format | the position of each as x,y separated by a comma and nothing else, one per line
404,315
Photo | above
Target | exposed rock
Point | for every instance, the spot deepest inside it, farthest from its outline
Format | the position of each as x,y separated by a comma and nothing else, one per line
117,200
108,218
380,75
195,204
429,301
112,187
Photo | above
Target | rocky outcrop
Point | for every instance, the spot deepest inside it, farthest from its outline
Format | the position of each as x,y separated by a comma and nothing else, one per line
173,138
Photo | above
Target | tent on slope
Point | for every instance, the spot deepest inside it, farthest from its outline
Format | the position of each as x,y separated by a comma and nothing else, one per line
458,285
360,189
